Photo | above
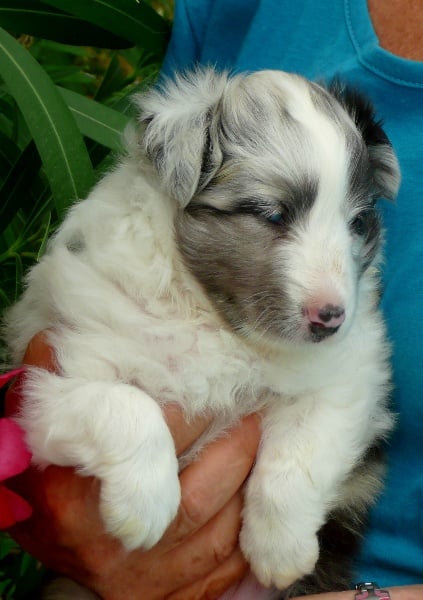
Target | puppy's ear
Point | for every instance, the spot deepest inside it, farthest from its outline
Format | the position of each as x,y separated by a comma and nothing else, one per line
180,120
384,163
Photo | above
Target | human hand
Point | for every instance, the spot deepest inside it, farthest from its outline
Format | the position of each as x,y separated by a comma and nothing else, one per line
198,555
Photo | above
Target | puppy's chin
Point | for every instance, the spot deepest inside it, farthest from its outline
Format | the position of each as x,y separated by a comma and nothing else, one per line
331,335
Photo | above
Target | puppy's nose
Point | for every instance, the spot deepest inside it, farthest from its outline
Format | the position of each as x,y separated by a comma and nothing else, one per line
326,316
324,320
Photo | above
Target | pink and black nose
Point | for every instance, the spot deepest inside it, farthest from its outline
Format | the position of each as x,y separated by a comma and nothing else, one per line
324,321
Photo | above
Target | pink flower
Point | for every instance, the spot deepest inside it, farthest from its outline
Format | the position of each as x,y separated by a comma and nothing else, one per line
14,458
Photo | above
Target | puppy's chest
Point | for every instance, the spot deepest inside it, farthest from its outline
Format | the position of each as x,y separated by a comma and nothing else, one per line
199,365
205,367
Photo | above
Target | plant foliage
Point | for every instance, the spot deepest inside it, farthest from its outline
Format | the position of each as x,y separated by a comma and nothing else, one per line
68,69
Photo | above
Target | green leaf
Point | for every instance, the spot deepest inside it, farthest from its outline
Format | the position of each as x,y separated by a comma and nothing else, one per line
8,588
9,152
61,147
96,121
44,239
6,544
60,48
70,75
36,18
133,20
124,101
114,79
7,106
14,191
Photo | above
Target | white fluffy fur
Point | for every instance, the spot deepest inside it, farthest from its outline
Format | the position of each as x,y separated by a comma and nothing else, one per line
133,330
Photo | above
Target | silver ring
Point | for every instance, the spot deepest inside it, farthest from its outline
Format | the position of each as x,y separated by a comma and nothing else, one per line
366,591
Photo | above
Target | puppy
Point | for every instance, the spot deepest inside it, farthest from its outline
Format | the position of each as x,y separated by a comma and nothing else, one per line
229,264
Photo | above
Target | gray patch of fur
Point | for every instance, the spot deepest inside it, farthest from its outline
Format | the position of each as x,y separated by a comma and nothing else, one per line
76,243
231,255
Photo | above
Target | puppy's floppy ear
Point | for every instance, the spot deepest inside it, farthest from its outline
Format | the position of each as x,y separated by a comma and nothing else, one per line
180,137
384,163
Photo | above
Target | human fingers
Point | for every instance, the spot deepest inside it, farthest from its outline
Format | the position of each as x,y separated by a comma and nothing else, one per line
184,432
210,482
217,581
164,571
39,352
208,548
204,537
65,523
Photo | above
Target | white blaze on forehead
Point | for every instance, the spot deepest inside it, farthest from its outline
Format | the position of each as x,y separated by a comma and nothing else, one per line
319,259
279,142
328,154
322,151
328,149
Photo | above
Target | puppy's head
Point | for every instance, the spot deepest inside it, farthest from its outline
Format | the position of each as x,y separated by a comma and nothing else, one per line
276,179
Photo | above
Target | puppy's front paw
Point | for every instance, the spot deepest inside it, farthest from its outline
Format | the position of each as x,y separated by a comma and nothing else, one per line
139,499
277,553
